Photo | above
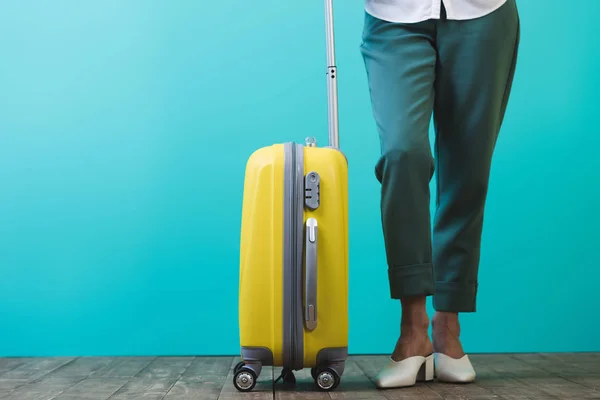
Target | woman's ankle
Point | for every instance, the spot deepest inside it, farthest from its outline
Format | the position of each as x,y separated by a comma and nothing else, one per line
412,343
449,319
446,334
414,328
414,313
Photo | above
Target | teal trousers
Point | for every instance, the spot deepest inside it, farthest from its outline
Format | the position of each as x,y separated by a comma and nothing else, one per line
460,73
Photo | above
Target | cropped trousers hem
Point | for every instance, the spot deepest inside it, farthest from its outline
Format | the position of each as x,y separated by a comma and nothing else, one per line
418,280
411,280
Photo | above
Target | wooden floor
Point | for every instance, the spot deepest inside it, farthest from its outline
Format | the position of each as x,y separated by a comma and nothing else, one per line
510,377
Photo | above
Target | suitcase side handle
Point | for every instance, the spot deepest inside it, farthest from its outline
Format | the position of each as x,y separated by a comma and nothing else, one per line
310,283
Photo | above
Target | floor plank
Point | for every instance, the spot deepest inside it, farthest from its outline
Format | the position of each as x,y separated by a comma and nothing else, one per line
568,364
155,380
93,389
202,380
473,391
124,367
207,369
82,367
355,385
8,364
36,368
146,388
568,377
165,368
563,388
46,388
499,374
8,385
29,371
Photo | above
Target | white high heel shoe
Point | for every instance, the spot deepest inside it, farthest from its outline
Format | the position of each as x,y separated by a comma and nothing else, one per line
406,372
454,370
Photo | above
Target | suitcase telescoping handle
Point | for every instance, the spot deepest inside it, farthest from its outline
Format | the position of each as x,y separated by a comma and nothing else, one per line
332,92
310,283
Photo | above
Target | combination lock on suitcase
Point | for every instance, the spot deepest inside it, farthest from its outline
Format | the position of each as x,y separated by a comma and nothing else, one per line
293,293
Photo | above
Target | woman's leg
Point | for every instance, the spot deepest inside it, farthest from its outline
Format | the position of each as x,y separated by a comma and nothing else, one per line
475,70
400,63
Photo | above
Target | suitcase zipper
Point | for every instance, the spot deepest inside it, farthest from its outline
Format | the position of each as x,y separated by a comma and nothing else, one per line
294,227
297,241
293,331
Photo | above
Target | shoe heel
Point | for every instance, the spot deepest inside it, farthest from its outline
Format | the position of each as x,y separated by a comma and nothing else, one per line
426,371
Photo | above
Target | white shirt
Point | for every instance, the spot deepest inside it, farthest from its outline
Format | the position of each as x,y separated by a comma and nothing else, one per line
410,11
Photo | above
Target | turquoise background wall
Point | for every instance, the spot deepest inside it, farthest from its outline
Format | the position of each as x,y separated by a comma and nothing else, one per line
124,130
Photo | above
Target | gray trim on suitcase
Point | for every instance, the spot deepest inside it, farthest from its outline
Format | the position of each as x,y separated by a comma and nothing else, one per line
332,354
256,358
334,358
293,206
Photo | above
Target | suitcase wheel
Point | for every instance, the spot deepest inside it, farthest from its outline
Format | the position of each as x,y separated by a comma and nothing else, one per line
244,378
325,378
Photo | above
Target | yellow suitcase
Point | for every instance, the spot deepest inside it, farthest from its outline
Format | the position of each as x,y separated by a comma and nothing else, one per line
293,293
